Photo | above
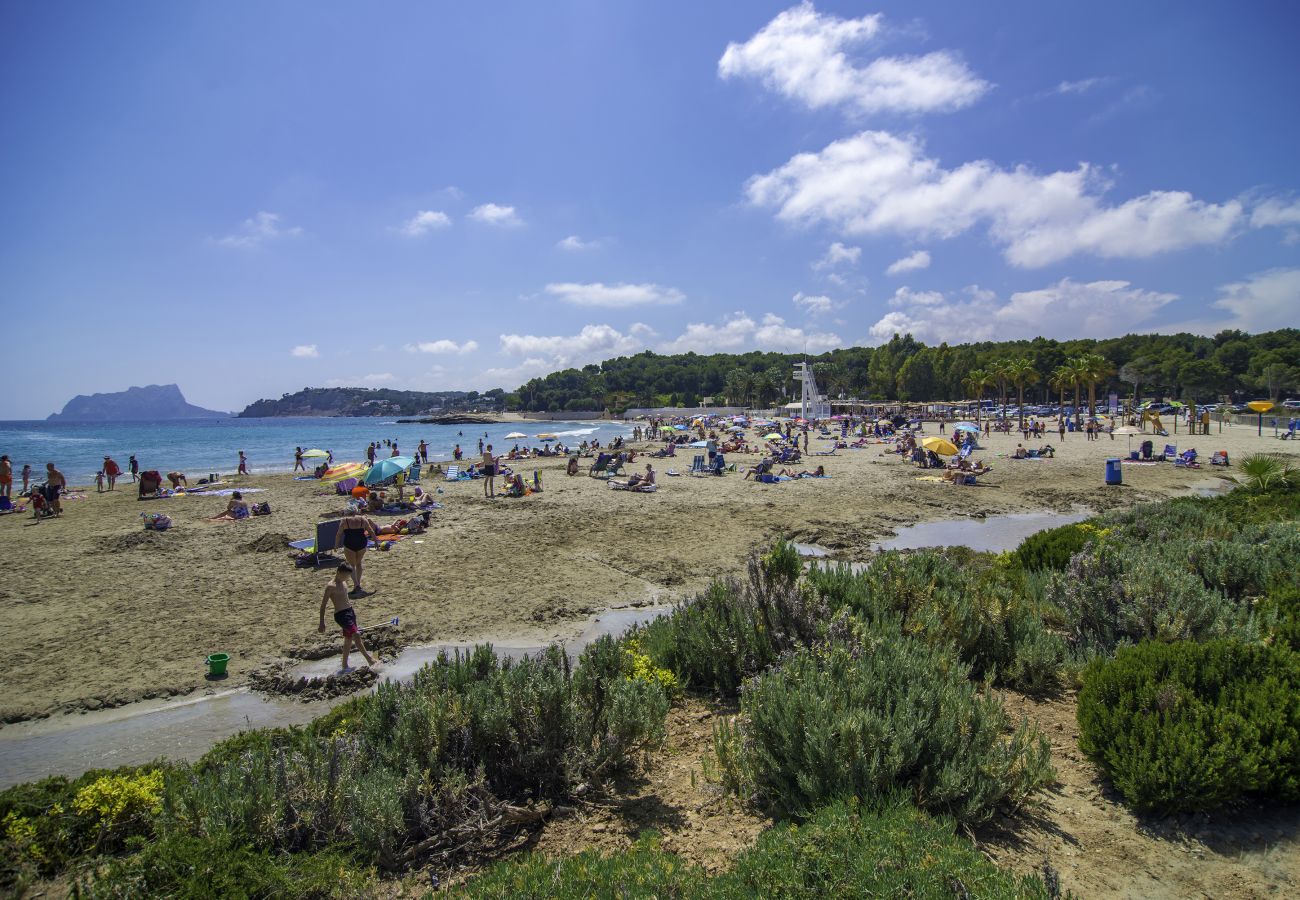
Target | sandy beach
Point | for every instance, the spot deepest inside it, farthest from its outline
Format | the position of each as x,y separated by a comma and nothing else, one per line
103,613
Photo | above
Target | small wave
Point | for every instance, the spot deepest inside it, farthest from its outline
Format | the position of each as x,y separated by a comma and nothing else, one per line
576,432
59,439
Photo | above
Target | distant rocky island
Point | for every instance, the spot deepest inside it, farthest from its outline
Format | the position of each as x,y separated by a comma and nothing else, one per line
349,401
151,403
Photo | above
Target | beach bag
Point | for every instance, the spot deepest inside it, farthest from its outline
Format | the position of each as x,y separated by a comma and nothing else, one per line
262,509
156,521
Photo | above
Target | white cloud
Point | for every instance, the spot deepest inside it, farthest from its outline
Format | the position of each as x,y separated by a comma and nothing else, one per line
1067,309
591,343
803,55
305,351
376,378
742,332
424,221
879,183
616,296
910,263
1275,211
836,255
814,305
1082,86
441,346
575,244
260,229
1262,302
492,214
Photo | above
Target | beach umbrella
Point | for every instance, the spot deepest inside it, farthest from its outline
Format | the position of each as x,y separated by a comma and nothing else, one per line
547,437
1128,430
344,470
939,446
774,436
967,426
699,444
737,427
387,469
314,454
515,435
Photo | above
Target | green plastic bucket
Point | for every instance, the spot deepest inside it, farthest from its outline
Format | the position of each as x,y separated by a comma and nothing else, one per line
217,663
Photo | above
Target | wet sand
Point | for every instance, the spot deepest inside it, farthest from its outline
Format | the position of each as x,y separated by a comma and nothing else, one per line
103,613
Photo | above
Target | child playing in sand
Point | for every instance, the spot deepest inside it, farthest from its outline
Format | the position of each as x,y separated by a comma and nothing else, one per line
344,615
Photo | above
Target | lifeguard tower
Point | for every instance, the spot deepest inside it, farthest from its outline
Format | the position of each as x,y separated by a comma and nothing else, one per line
812,405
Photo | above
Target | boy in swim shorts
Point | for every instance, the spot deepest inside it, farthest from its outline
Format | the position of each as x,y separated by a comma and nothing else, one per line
344,615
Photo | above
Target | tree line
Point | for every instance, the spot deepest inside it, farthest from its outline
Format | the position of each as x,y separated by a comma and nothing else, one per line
1183,366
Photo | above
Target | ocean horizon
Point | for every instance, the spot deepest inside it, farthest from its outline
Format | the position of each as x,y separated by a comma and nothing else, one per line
200,447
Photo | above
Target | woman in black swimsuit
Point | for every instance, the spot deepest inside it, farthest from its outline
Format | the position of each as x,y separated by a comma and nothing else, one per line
354,536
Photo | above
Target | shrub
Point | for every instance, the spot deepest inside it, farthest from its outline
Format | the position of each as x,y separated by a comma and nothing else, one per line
1262,472
892,715
1282,608
190,868
1114,594
1188,726
952,596
845,850
393,774
735,628
45,824
1052,548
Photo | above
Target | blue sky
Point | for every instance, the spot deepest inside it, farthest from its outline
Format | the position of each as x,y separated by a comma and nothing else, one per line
249,198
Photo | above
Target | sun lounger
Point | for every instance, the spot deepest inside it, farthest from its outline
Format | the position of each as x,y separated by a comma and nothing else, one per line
697,466
634,488
453,473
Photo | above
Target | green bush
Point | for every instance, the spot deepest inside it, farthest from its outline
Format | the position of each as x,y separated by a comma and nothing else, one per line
389,774
956,597
736,628
893,714
1053,547
1282,609
1114,594
842,851
45,824
187,868
1187,726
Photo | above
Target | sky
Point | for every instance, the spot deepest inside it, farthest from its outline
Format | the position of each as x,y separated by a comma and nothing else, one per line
249,198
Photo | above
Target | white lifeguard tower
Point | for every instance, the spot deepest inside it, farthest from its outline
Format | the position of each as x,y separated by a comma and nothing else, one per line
812,405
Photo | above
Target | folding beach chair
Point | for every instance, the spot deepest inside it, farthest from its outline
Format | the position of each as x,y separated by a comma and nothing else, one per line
1187,459
697,466
453,473
615,467
320,550
413,474
1171,451
598,468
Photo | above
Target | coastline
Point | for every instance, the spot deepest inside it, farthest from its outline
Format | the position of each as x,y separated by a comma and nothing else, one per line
110,614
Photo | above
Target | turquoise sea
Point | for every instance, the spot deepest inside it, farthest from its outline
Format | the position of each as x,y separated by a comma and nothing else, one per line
204,446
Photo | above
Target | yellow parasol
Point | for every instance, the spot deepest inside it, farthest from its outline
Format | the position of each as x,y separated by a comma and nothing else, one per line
940,446
344,470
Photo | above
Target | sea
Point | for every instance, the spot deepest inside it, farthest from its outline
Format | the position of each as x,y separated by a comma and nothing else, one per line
200,447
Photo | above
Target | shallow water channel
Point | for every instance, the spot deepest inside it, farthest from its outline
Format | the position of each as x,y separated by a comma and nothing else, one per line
185,729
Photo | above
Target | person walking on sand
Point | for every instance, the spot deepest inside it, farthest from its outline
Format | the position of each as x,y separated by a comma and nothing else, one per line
111,471
1060,425
55,484
243,463
489,473
354,536
7,477
336,592
297,460
133,467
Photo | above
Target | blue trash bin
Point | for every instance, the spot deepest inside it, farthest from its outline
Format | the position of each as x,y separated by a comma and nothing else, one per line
1113,474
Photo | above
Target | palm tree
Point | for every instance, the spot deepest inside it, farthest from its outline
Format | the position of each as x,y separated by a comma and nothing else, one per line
739,387
1062,378
1095,369
977,382
1021,372
1078,369
1000,374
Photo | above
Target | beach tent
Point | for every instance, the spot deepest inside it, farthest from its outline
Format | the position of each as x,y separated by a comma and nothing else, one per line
387,469
939,446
